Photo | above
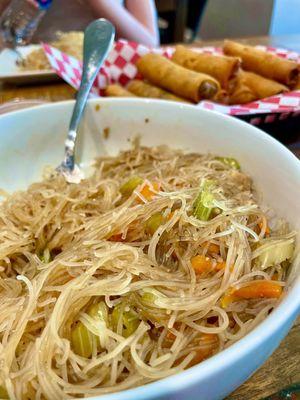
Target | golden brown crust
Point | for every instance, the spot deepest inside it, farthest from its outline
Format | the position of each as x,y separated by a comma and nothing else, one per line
222,68
250,87
182,82
117,91
143,89
268,65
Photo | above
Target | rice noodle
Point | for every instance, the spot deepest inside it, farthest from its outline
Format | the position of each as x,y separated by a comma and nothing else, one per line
101,251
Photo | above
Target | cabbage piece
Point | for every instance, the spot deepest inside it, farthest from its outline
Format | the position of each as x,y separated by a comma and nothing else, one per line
276,253
81,337
82,340
130,320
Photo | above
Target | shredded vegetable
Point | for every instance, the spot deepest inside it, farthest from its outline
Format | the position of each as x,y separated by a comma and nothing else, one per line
276,253
130,185
154,263
204,202
231,162
3,393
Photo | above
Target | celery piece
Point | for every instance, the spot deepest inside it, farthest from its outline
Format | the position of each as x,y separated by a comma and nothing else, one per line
204,202
115,316
81,337
128,187
148,298
3,393
130,320
276,254
81,340
99,311
231,162
154,222
46,256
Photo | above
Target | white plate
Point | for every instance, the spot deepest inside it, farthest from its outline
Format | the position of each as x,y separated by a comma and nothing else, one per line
10,72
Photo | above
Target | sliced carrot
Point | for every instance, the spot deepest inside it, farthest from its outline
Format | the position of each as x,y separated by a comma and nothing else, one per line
209,338
148,191
201,263
260,225
257,289
170,336
212,247
228,298
208,343
170,215
221,265
116,238
201,355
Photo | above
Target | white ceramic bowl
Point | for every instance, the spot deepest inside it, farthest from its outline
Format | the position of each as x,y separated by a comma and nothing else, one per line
31,138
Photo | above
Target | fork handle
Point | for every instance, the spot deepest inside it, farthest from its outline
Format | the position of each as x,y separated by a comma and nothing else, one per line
98,40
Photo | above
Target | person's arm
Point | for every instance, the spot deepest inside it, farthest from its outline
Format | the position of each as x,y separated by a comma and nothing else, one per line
138,22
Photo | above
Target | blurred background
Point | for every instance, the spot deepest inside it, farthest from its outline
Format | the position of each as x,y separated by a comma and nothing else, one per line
187,20
184,20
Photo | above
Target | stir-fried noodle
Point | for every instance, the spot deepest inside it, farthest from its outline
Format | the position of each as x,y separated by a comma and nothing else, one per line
156,262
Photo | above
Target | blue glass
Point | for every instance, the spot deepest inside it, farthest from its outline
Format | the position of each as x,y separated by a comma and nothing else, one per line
44,4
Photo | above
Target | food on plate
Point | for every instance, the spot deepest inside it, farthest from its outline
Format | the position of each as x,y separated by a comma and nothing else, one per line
153,264
241,75
164,73
196,75
222,96
268,65
222,68
114,90
250,87
70,43
144,89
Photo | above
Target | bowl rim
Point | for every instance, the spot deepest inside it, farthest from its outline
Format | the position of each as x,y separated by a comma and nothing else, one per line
288,308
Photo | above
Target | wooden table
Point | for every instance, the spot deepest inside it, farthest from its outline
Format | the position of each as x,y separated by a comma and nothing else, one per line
283,367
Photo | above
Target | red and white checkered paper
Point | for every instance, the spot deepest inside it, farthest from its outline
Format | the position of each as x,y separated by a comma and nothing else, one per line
120,67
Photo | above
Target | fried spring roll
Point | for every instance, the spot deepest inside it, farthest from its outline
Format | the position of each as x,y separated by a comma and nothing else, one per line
222,68
263,63
261,86
221,97
181,81
242,94
251,86
117,91
143,89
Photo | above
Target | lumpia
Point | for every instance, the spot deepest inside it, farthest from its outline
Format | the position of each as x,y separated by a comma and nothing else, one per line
222,68
182,82
143,89
268,65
